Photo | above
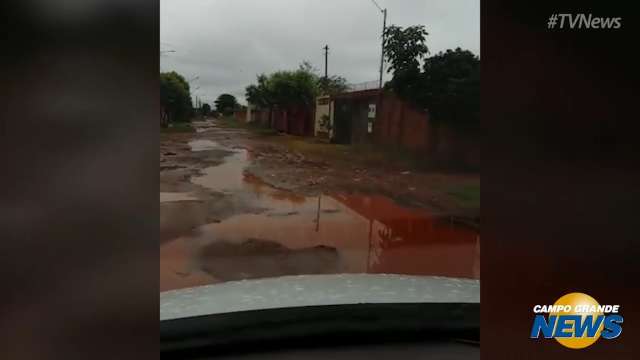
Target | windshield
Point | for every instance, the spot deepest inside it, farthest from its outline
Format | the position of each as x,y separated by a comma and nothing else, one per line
307,146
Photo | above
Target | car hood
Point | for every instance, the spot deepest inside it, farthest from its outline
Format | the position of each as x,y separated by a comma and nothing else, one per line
315,290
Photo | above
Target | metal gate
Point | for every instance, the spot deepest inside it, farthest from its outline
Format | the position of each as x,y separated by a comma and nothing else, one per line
342,114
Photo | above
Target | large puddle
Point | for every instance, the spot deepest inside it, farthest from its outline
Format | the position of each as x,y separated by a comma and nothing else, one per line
337,233
227,177
166,197
203,144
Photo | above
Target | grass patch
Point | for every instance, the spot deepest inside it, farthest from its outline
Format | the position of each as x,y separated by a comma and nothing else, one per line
358,154
178,127
315,148
372,154
468,196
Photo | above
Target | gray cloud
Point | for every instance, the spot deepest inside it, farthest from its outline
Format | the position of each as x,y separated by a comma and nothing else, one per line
228,42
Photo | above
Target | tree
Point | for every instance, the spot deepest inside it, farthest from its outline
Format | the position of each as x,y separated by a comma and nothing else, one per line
260,94
404,49
226,104
452,87
205,109
299,87
292,87
448,85
332,85
175,96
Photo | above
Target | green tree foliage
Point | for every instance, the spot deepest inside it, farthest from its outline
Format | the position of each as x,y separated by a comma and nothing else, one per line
404,48
332,85
205,109
452,87
175,96
448,83
226,104
260,94
292,87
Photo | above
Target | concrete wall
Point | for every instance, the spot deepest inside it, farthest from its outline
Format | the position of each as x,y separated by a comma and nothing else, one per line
399,124
295,120
240,115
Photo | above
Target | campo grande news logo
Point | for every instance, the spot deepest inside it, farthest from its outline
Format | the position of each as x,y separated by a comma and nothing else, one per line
576,321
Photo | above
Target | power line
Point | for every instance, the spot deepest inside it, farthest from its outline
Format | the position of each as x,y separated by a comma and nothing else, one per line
378,6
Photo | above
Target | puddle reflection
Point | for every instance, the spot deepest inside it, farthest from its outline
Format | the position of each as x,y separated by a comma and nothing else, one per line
344,234
341,233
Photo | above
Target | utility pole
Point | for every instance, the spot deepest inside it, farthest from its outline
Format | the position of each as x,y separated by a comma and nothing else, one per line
384,27
326,61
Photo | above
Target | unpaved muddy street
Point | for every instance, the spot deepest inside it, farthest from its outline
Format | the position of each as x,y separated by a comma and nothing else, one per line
235,205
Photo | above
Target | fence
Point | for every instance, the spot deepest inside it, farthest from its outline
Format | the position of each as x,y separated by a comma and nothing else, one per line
295,120
368,85
401,124
397,123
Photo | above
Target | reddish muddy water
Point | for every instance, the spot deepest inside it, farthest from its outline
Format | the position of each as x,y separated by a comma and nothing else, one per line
334,233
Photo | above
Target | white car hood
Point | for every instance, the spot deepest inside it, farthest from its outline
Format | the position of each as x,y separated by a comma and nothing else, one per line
315,290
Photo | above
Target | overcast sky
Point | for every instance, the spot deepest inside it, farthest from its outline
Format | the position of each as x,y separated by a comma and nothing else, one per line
228,42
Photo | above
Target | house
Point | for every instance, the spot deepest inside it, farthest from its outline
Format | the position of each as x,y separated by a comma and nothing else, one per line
354,116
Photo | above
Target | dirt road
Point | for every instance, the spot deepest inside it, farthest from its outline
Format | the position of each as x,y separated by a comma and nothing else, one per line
237,204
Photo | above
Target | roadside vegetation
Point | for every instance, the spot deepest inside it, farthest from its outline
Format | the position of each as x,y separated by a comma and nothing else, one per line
467,196
447,84
298,87
175,97
226,104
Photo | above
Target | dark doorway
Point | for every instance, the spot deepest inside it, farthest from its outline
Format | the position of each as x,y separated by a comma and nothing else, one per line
342,121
